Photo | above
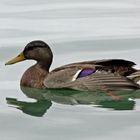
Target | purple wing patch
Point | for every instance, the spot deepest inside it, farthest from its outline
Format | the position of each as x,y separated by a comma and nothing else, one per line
86,72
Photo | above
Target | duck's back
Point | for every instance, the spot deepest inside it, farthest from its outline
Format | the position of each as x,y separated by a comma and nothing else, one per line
92,75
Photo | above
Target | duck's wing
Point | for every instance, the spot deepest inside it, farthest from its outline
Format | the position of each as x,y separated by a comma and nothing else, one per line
123,67
103,81
115,62
64,75
87,77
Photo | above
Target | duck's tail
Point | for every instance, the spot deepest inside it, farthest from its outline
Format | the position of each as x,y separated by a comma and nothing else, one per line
135,76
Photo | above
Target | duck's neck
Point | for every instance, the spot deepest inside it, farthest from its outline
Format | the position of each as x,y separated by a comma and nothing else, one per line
34,76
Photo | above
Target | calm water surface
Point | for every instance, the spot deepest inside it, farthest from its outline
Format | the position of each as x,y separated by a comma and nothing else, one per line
76,30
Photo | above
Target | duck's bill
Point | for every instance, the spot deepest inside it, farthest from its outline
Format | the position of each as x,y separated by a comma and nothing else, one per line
17,59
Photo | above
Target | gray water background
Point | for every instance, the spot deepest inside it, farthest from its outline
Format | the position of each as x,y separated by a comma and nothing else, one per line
76,30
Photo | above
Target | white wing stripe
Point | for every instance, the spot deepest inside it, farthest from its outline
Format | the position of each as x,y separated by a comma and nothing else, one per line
76,75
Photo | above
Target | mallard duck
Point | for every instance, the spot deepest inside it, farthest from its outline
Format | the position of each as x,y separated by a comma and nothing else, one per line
85,76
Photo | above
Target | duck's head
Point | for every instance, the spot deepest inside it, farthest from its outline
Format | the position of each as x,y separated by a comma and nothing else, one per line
35,50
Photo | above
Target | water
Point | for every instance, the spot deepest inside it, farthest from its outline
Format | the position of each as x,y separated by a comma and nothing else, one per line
76,30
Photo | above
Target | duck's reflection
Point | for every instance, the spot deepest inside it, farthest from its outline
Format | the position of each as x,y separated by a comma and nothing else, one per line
38,108
45,98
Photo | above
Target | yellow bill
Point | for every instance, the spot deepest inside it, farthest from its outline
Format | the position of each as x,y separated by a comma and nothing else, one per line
17,59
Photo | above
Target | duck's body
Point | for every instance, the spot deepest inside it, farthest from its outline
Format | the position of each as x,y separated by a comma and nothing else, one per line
88,75
93,75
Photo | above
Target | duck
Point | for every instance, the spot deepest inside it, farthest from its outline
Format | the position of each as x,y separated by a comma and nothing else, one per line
93,75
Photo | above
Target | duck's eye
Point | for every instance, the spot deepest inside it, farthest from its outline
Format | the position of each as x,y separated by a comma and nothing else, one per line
86,72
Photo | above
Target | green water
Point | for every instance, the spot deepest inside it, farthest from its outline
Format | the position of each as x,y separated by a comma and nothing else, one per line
45,99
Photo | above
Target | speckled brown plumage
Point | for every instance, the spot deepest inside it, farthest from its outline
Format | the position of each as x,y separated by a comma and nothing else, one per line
34,77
